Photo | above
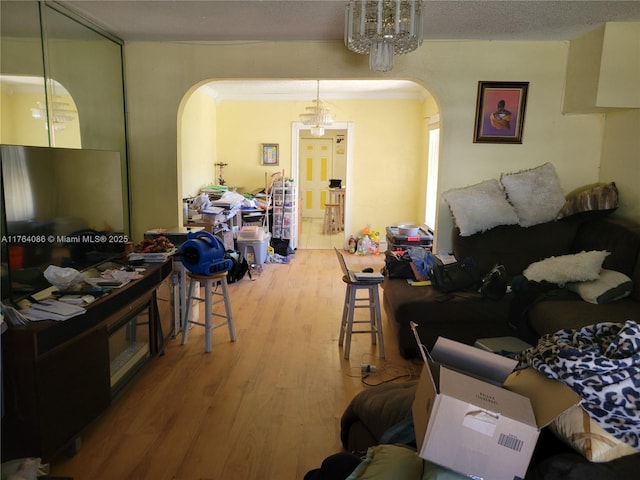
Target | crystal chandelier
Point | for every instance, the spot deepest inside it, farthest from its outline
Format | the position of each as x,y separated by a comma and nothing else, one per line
59,114
382,28
317,116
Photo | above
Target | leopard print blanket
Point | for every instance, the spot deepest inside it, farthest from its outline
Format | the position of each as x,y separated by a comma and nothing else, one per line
601,363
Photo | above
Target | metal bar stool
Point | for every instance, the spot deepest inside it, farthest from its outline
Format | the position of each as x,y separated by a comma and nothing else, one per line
210,284
331,218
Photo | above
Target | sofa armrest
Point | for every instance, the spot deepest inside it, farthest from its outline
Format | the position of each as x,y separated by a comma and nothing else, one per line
619,236
372,412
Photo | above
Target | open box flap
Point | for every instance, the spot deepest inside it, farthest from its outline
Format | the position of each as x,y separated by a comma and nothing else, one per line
549,398
423,404
487,397
478,363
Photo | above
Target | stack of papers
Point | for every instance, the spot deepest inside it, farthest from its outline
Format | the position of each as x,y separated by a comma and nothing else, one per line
159,257
52,310
212,210
446,258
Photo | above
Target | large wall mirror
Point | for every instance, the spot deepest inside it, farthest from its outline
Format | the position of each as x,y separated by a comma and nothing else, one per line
61,81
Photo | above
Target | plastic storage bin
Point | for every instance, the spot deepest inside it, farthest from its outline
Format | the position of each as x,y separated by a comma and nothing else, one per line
254,248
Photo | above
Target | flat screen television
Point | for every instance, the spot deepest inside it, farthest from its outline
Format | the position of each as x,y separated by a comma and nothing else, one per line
62,207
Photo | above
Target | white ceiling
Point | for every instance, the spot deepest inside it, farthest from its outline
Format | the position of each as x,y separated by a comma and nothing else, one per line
286,20
323,20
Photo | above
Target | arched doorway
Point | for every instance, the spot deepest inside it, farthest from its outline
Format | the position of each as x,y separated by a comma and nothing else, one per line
232,130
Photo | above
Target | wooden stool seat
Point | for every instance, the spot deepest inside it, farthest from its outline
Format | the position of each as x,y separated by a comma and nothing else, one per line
331,218
210,284
352,302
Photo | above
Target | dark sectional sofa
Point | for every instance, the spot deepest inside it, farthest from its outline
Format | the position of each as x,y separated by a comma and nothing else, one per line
373,413
528,314
467,316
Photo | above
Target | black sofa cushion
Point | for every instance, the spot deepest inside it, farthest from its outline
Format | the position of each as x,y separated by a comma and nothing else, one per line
461,316
516,247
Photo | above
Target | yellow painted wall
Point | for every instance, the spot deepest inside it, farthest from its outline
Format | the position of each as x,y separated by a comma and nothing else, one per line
387,139
20,128
241,129
198,143
450,71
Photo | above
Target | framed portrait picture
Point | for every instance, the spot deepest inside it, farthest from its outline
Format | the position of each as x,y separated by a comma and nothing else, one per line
500,111
269,154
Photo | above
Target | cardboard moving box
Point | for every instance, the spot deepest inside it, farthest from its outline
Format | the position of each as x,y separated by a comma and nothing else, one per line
474,416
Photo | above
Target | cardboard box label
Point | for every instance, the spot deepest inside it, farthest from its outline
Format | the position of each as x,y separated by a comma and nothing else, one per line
482,421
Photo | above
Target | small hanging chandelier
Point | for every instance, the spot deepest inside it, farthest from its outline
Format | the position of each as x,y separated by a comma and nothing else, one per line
382,28
317,116
59,113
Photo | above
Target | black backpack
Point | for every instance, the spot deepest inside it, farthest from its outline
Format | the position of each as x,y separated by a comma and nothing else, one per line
239,267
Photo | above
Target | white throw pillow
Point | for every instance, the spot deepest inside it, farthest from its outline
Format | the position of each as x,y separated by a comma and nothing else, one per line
579,267
608,287
535,194
578,430
479,207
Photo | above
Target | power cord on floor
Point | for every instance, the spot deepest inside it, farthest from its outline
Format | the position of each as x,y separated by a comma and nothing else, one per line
371,375
380,376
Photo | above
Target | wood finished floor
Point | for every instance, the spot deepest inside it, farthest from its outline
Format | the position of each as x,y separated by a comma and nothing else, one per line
265,407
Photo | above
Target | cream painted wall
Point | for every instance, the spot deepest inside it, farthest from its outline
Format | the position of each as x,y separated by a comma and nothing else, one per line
620,71
583,71
603,69
621,159
88,71
571,143
158,75
198,144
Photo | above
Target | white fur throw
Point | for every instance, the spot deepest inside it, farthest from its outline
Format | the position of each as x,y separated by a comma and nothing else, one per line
535,194
580,267
608,287
480,207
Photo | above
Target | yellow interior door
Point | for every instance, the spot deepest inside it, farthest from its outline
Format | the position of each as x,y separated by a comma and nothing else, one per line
316,158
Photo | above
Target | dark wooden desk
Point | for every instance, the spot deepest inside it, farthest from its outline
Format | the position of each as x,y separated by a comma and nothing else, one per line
58,375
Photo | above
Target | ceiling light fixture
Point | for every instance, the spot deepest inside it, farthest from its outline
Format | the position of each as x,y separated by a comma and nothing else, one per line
317,116
382,28
60,113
